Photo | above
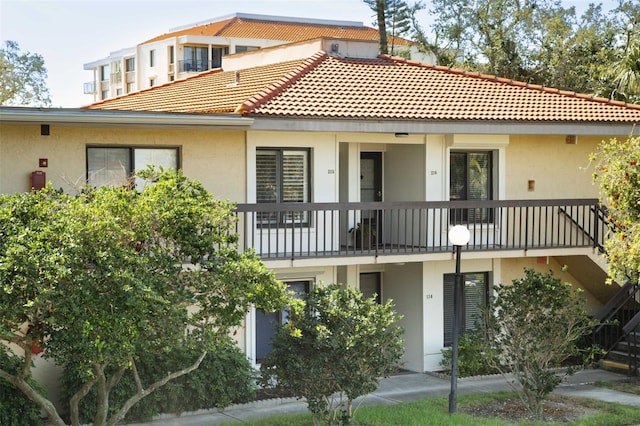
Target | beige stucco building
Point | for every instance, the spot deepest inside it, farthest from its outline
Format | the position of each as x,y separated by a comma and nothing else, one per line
313,145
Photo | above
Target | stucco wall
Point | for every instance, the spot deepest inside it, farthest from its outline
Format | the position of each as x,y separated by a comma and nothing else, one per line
514,269
403,285
208,156
404,173
559,170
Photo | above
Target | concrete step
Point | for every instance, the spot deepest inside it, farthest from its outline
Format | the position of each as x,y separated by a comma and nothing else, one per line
615,366
618,356
628,347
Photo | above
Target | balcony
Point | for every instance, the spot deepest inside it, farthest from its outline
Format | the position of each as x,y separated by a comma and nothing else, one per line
89,88
300,231
116,77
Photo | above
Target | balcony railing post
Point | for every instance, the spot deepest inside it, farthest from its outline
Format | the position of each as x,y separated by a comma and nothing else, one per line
526,228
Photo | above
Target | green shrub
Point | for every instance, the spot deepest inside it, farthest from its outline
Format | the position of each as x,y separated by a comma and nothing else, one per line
224,377
15,408
535,327
337,343
475,356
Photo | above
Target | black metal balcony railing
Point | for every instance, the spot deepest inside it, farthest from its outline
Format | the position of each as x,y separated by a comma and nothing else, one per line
312,230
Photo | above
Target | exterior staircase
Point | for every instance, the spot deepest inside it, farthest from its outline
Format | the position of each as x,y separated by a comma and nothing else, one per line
619,331
624,356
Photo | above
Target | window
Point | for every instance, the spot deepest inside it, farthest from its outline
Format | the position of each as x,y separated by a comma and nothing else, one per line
267,324
171,55
240,49
370,286
195,59
104,94
115,165
131,87
475,296
130,64
152,58
282,176
104,73
119,92
152,82
471,178
216,56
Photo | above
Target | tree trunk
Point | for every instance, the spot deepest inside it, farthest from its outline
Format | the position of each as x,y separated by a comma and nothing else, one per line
75,400
102,406
382,26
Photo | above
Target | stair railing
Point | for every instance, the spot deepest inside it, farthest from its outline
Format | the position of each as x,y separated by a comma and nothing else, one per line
617,323
630,330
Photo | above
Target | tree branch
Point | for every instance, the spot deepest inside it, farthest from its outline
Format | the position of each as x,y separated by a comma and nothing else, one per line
75,400
34,396
136,376
141,394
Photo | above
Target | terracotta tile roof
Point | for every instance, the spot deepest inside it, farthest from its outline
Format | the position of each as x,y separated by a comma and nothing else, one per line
210,29
393,88
381,88
276,30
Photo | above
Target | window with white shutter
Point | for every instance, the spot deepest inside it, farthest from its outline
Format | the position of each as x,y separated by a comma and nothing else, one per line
475,295
282,176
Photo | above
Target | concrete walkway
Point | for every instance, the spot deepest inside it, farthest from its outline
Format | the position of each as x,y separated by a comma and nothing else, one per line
403,388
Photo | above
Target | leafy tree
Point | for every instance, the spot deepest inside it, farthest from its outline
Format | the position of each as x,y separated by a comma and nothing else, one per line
90,279
618,174
490,36
626,75
534,326
538,41
575,54
336,343
22,77
446,41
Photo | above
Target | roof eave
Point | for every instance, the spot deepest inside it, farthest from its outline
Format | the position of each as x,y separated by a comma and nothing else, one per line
82,116
447,126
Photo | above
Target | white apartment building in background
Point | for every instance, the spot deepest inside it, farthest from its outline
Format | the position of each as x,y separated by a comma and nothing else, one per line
201,46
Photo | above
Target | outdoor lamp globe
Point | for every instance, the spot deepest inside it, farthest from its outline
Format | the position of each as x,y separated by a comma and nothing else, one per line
459,235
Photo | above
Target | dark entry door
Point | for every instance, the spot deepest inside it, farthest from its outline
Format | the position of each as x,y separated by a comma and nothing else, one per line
267,323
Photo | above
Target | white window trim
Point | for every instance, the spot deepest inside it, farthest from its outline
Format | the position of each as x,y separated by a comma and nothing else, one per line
496,143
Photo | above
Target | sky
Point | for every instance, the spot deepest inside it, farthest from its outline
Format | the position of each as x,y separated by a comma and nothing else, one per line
69,34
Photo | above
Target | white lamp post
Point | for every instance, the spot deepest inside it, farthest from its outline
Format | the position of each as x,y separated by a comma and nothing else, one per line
458,236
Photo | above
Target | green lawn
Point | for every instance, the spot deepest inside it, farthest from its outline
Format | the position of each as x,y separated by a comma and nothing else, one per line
434,411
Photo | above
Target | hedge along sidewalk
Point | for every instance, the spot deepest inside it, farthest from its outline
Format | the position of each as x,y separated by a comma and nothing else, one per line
404,388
